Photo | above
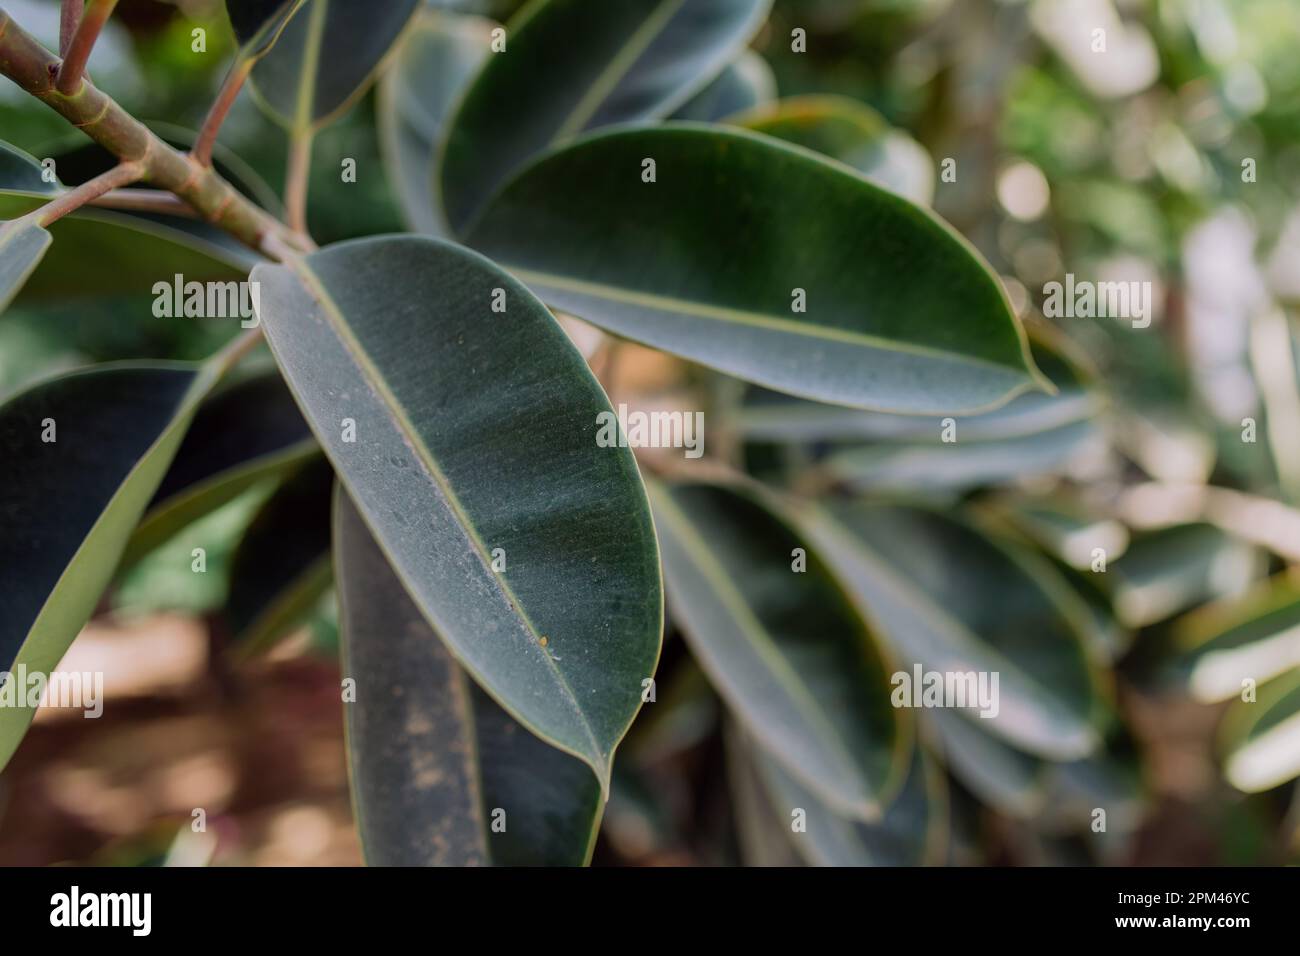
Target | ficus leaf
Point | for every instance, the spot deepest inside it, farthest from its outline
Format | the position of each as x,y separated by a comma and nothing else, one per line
1260,739
325,57
281,566
714,259
436,60
1168,570
441,775
574,65
912,830
80,456
851,133
956,600
1011,781
241,434
257,23
783,646
108,251
468,439
1256,637
22,246
745,83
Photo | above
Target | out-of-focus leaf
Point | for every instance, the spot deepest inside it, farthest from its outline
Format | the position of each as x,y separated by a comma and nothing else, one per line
956,600
1173,569
80,456
242,434
785,648
1011,781
441,775
1261,738
257,23
761,833
467,438
853,134
325,58
434,63
1032,434
1253,638
281,567
912,831
574,65
747,82
713,259
22,246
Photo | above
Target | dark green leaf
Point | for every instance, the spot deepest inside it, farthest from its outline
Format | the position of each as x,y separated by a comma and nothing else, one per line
474,442
22,246
69,504
783,647
281,567
912,831
241,435
325,57
440,774
746,83
257,23
956,600
574,65
435,62
854,134
706,262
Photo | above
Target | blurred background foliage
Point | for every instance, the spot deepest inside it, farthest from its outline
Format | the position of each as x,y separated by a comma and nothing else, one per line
1174,160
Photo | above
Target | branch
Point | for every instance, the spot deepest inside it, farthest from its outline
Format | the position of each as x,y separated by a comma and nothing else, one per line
74,199
82,42
144,200
69,17
296,179
34,68
234,82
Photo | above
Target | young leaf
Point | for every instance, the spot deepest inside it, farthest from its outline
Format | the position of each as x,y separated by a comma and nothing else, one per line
434,63
574,65
281,566
80,456
955,600
440,774
763,261
464,425
783,646
325,57
240,435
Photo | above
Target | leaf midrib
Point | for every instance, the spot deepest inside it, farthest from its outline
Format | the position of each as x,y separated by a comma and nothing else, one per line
748,317
944,623
425,456
618,68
